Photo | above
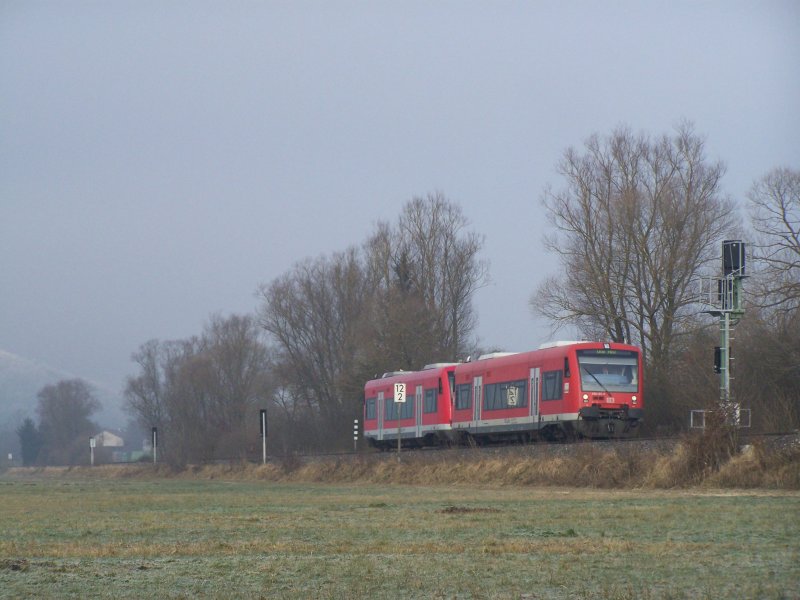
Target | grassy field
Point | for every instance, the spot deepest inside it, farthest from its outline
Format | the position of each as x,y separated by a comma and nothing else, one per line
179,538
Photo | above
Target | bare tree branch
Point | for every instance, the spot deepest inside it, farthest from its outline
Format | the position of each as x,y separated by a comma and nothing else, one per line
638,219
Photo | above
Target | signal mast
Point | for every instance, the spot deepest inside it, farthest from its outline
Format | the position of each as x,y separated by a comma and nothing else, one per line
727,305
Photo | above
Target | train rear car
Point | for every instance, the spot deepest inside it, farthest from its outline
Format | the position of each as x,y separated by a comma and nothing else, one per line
423,419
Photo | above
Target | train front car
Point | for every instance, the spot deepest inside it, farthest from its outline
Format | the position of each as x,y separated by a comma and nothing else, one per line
608,394
560,391
424,419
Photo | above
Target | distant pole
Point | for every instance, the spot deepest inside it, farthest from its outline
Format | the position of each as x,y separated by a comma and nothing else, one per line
92,443
155,444
355,435
263,422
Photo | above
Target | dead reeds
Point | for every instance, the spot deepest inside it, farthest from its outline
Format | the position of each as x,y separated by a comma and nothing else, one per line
706,460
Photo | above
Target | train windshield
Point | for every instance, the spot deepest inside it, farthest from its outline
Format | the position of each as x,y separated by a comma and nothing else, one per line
609,370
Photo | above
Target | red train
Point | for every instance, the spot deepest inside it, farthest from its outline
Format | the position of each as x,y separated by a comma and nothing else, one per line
560,391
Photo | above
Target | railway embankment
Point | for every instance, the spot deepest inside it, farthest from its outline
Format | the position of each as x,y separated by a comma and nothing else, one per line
694,461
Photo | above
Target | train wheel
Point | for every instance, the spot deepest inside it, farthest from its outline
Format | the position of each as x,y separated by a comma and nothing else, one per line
554,433
430,440
469,440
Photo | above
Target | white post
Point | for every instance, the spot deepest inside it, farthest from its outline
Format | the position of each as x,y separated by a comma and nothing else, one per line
263,436
399,398
355,435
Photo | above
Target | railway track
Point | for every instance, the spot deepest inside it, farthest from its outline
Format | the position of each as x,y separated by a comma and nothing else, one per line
652,443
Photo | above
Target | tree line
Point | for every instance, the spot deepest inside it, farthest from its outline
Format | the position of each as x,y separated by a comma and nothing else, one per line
400,299
637,220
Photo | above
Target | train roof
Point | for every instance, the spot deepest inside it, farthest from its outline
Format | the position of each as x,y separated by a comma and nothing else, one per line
558,343
426,371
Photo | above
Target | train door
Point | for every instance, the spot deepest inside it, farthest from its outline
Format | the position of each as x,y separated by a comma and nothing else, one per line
380,415
534,387
418,410
477,390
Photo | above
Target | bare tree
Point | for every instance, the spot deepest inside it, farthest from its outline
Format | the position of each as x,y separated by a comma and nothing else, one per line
203,393
767,367
638,220
145,393
774,207
402,332
316,316
443,266
402,300
769,338
426,270
191,423
64,410
239,364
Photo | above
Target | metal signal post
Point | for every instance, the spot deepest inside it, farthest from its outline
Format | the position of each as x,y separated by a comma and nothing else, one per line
728,307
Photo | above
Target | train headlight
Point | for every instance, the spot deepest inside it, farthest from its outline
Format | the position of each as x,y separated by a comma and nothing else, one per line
586,397
633,399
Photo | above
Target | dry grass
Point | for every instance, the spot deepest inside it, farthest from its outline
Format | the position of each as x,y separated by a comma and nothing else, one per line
707,460
199,533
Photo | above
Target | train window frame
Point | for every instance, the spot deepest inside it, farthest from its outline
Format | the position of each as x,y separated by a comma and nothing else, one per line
496,395
370,412
430,402
609,370
389,410
463,392
407,408
392,412
552,385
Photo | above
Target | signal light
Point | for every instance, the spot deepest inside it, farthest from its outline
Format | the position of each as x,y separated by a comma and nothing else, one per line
733,257
633,399
586,397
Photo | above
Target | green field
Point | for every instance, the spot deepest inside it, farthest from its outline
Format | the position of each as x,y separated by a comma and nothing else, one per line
176,538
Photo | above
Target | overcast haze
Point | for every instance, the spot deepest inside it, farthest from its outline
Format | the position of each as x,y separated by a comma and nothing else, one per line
159,160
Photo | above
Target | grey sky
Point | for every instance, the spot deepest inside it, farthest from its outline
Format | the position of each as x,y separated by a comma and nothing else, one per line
159,160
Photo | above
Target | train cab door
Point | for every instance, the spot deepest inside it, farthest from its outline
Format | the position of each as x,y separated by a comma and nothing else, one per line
534,399
418,411
477,398
379,408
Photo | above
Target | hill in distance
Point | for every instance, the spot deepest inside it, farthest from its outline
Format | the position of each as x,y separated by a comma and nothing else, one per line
22,378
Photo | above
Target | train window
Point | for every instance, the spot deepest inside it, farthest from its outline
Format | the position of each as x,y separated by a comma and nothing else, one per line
510,394
430,401
551,385
608,370
370,408
389,410
463,396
